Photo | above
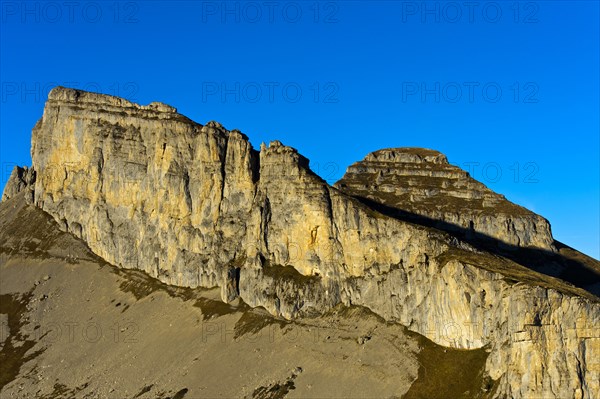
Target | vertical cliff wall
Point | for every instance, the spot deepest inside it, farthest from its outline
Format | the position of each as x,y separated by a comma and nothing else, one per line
196,205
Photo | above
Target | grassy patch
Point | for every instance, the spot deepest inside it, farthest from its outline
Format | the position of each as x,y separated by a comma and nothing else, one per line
211,308
140,285
254,320
450,373
353,312
144,390
14,351
276,390
62,391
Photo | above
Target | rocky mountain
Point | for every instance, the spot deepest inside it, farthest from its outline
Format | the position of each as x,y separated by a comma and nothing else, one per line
404,233
421,185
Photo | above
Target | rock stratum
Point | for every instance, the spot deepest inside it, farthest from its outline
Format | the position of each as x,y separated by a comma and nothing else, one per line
404,234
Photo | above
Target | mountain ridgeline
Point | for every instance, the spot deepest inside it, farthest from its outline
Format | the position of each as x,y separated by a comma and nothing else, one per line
404,233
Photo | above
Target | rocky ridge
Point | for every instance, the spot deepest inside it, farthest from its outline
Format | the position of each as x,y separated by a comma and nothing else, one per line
146,188
422,183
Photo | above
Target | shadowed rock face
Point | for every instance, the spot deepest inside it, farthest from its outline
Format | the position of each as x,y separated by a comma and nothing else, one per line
21,179
196,205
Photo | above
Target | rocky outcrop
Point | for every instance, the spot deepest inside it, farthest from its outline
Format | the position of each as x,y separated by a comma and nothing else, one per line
196,205
420,184
21,179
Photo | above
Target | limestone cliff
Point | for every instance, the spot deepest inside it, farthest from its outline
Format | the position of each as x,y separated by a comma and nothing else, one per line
195,205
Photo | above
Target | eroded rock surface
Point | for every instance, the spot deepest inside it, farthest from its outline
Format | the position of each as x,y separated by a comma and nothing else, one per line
197,206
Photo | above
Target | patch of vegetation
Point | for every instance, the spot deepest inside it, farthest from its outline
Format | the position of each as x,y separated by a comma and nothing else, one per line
144,390
254,320
353,312
34,237
14,351
140,284
39,237
61,391
288,273
277,390
212,309
180,394
575,256
450,373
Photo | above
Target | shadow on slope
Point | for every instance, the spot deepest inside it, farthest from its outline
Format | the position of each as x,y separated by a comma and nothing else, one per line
451,373
568,264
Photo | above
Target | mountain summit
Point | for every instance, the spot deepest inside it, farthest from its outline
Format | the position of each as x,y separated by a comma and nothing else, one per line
404,233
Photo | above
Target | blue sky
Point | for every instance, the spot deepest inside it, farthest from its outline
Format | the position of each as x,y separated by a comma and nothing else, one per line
509,88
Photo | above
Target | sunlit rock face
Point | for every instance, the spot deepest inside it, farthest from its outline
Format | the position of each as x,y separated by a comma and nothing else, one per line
198,206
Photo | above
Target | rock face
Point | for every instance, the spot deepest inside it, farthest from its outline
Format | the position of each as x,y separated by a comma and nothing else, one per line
422,185
196,205
21,179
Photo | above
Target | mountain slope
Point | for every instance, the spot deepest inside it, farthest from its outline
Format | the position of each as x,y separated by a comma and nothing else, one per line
73,326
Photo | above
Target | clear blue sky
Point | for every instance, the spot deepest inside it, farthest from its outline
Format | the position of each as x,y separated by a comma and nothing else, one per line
512,86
